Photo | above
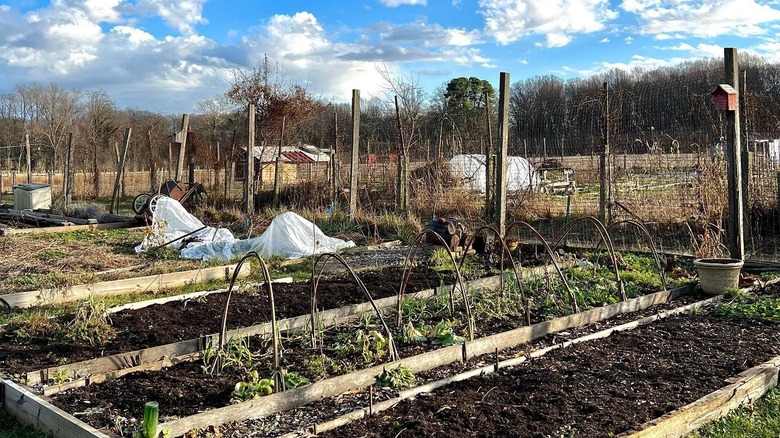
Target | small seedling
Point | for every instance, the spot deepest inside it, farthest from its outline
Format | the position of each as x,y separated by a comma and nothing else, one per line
294,380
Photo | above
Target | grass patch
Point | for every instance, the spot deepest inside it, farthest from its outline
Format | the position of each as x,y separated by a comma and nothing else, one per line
10,428
761,420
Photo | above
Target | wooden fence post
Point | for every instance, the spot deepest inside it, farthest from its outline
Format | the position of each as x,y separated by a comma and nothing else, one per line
249,186
736,229
29,160
279,169
355,155
185,123
605,176
115,197
502,156
333,167
68,175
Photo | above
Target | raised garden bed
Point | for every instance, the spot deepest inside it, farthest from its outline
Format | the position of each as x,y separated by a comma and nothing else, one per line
479,347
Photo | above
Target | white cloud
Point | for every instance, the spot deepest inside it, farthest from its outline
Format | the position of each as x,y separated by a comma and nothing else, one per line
667,19
604,40
178,14
636,62
396,3
558,20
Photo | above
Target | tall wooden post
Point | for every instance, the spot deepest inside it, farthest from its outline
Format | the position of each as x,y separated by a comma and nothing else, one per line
279,169
490,174
333,167
115,196
403,163
502,156
68,177
185,123
736,229
354,161
29,160
249,186
605,189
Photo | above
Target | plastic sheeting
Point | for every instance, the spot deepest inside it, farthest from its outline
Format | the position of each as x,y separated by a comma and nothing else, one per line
470,168
289,236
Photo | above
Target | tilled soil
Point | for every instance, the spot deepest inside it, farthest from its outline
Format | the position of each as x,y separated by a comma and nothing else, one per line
161,324
623,380
600,388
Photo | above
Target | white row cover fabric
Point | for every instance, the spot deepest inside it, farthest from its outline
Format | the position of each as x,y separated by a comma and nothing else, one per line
289,236
470,168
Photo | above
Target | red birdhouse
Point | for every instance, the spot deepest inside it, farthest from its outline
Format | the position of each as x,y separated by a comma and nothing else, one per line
724,98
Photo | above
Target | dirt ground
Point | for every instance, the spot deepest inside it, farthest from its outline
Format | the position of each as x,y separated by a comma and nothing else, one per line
161,324
616,383
601,388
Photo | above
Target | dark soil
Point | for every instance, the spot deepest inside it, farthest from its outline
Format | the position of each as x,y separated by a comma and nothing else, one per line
601,388
623,381
161,324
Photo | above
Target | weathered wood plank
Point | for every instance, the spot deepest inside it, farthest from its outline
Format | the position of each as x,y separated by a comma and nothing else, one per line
120,287
106,226
31,409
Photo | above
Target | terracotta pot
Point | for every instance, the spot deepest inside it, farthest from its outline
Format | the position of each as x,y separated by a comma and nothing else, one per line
718,275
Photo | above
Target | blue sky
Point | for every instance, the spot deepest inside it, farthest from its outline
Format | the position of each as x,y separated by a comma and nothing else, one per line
167,55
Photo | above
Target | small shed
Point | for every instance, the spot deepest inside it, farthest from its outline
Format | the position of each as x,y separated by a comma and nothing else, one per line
298,162
724,98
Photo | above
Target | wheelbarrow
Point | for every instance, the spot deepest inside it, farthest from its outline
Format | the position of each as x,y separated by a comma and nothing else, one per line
145,203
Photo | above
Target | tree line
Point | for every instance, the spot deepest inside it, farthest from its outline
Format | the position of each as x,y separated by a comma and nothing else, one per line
659,110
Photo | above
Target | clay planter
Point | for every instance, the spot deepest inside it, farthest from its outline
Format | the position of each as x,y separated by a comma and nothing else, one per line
717,275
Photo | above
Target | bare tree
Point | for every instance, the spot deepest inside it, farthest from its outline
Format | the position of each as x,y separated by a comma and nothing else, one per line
98,128
408,97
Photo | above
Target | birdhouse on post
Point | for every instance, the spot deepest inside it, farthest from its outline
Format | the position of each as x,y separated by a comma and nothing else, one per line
724,98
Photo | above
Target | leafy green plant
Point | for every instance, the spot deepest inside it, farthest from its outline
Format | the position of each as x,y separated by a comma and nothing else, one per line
319,366
412,335
253,387
374,345
294,380
748,306
444,335
396,378
61,375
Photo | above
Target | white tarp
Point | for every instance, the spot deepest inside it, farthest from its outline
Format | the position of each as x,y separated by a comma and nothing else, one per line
470,168
289,236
